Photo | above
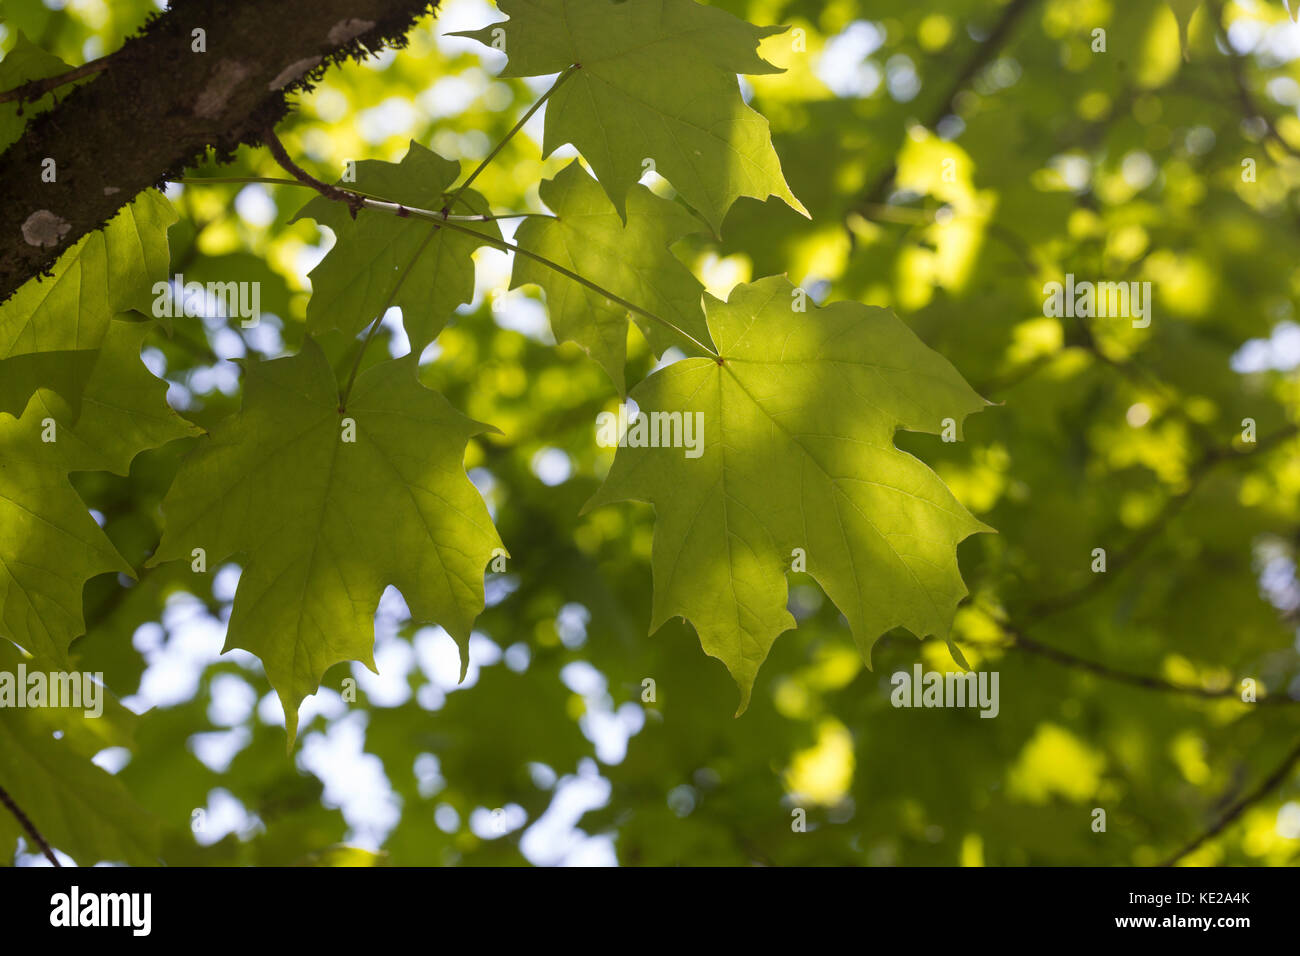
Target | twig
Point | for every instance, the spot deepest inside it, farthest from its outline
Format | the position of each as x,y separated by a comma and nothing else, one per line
1022,641
35,89
281,181
582,280
881,212
353,201
30,827
1238,808
1118,562
441,220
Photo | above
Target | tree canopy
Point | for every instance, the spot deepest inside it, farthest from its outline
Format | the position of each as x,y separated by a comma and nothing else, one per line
936,338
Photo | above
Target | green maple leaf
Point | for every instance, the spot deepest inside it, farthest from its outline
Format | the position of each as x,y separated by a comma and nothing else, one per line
632,261
798,423
50,546
381,260
657,80
109,271
325,524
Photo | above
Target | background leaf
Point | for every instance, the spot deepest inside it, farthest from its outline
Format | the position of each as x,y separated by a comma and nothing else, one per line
656,81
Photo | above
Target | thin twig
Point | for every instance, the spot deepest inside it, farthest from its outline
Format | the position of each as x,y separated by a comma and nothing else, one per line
26,823
281,181
403,211
582,280
1020,640
1265,787
442,221
1121,560
902,215
350,199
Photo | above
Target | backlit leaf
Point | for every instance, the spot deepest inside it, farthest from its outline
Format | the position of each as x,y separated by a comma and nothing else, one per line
797,451
656,81
323,524
631,260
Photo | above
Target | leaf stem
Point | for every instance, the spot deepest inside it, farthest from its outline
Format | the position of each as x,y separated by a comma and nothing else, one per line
514,129
374,325
568,273
405,212
356,201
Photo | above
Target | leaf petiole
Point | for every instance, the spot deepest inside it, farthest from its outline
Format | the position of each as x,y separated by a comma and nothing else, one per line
514,129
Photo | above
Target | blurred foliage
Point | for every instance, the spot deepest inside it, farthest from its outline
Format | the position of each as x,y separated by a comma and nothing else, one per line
951,167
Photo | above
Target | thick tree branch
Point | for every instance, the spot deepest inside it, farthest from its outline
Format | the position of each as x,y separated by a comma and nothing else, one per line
28,827
159,106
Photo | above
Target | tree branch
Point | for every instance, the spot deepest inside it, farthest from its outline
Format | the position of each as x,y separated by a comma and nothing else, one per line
1022,641
1049,606
1237,64
1123,559
28,826
159,106
976,61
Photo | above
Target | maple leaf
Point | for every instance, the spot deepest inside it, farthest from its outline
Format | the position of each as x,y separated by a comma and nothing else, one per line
656,80
324,524
797,451
50,546
631,260
50,328
381,260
